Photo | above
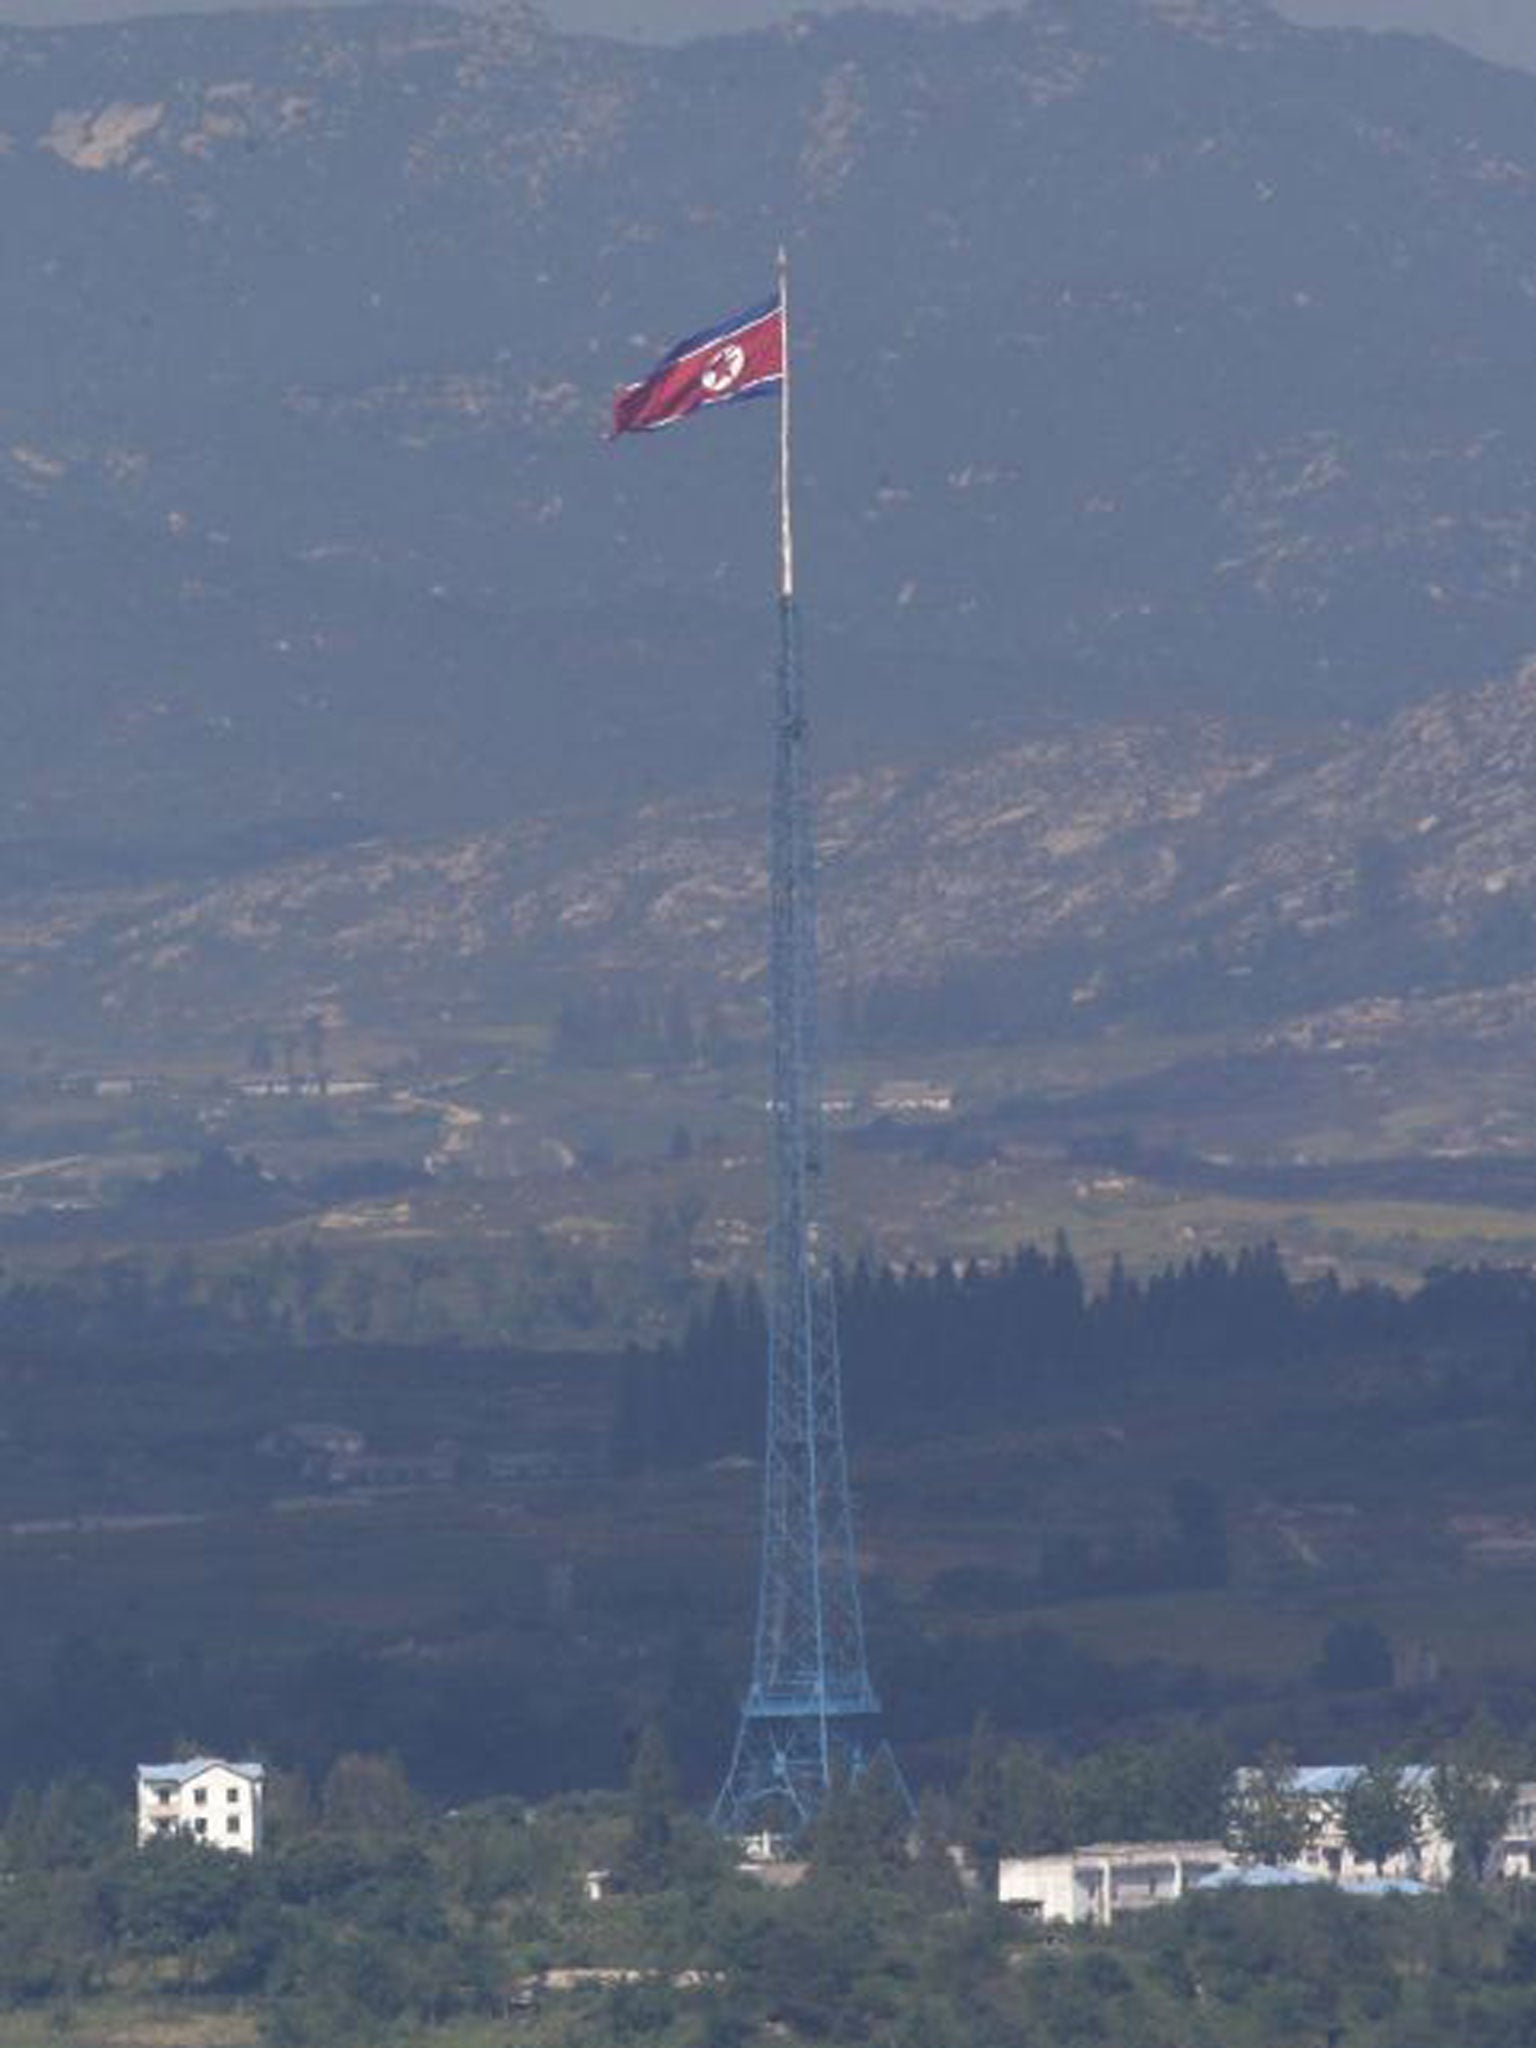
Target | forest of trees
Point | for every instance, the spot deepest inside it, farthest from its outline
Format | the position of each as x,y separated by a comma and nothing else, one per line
930,1355
1027,1339
369,1919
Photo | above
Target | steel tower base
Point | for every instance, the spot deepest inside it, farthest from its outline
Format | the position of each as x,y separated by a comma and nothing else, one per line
785,1762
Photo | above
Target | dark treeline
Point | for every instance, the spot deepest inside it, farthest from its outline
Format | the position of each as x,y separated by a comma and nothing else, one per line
547,1703
1027,1339
370,1920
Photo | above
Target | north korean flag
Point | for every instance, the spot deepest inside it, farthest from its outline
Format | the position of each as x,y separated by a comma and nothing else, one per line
741,358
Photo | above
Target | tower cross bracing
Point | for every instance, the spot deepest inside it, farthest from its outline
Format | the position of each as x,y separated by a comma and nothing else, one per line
808,1719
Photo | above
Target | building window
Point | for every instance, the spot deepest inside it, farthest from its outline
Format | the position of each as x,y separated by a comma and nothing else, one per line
232,1824
200,1796
233,1795
200,1826
163,1794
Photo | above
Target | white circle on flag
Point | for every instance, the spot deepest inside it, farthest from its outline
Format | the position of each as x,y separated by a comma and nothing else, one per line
723,368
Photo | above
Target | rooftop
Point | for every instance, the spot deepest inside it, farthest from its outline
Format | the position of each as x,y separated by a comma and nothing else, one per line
1130,1853
1332,1781
191,1767
1257,1877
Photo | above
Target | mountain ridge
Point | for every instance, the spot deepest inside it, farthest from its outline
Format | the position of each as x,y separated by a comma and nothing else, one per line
1262,876
1185,371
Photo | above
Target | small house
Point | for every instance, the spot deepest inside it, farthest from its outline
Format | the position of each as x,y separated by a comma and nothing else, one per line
213,1801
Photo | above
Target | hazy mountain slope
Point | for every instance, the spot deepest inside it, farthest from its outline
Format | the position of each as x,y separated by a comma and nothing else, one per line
1502,30
1181,868
1152,355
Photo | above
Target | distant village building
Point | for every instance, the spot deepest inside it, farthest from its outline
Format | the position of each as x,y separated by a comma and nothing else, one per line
765,1857
438,1466
310,1449
1093,1885
540,1464
1323,1789
912,1098
334,1454
213,1801
317,1441
312,1085
1516,1854
764,1847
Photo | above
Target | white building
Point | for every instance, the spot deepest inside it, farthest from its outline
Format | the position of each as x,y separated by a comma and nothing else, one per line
1093,1885
1516,1854
213,1801
1323,1788
912,1099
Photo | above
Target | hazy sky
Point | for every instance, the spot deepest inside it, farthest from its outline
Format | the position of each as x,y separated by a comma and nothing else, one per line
1502,29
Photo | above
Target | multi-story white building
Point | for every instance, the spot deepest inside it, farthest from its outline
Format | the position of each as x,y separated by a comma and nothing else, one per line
213,1801
1323,1789
1094,1884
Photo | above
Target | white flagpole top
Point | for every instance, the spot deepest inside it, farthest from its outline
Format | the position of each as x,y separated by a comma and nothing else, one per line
786,521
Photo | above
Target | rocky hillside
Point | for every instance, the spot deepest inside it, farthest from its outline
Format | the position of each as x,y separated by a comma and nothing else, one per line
1184,868
1158,356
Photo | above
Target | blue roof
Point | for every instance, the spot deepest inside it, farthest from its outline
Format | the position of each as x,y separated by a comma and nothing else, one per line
1255,1877
192,1767
1382,1887
1271,1876
1333,1780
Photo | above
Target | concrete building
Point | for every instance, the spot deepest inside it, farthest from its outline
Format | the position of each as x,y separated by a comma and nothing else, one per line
1517,1850
213,1801
912,1099
1323,1788
438,1466
1092,1886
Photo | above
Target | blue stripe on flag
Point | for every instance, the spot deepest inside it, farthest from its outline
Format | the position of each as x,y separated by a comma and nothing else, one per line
719,333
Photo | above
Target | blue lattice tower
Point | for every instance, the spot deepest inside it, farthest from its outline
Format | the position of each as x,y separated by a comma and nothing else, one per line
809,1717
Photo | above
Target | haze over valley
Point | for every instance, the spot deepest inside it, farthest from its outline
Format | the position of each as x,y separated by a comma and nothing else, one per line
389,1198
1167,552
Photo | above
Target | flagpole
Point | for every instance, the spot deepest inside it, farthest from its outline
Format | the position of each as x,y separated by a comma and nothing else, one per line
786,521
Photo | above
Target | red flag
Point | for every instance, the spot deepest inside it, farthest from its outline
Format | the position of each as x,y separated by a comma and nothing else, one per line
740,358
